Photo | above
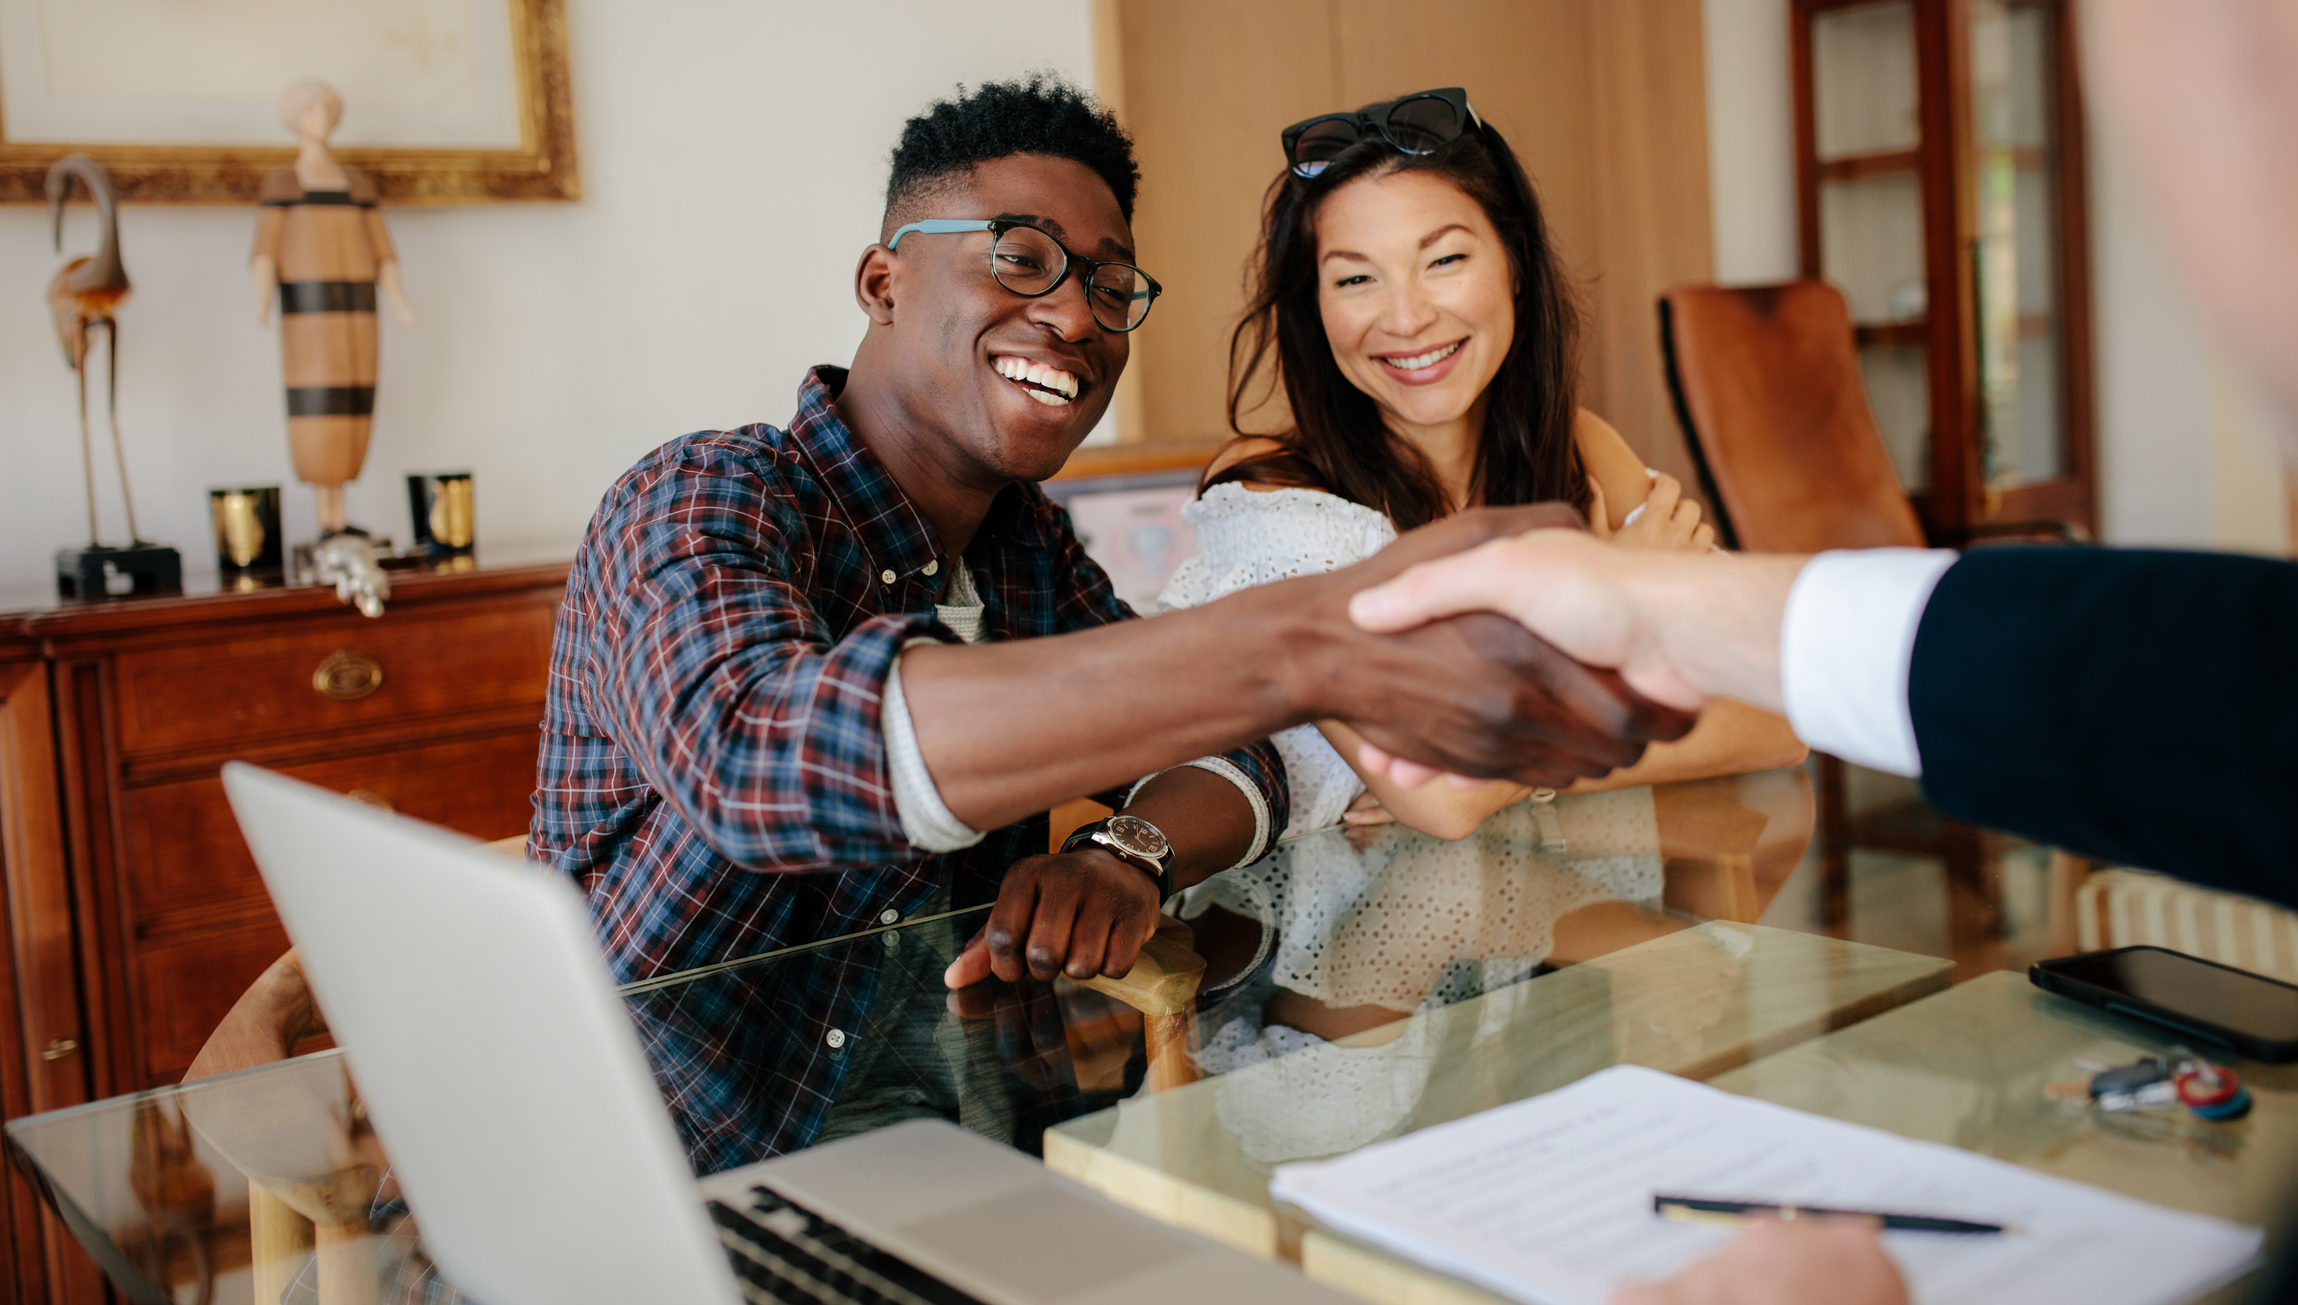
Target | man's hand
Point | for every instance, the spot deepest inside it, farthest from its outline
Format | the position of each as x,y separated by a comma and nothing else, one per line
1683,629
1011,727
1078,913
1785,1262
1477,695
1026,1028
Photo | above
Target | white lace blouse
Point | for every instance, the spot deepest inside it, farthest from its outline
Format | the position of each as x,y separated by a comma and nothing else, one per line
1248,537
1395,918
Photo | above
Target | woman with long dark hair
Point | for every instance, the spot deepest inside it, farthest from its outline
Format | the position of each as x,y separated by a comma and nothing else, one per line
1409,307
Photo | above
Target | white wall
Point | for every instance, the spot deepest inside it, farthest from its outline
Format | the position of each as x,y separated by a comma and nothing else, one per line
733,159
2184,458
2153,371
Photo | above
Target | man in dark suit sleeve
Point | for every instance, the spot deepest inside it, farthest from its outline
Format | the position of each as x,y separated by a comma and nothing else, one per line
2134,706
2141,707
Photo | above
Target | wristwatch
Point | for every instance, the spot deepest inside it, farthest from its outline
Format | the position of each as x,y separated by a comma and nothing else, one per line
1134,840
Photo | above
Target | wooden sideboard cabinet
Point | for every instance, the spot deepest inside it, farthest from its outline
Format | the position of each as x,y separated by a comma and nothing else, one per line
135,916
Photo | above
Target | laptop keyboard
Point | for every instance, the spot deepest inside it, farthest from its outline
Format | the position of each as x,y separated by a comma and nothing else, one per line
784,1254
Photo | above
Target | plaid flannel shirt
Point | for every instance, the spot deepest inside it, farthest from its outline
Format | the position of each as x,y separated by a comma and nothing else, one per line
713,771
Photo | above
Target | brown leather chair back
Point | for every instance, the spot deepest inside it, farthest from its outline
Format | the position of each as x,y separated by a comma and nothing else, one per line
1766,383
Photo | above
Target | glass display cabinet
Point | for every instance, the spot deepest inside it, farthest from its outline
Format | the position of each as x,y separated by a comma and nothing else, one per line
1940,185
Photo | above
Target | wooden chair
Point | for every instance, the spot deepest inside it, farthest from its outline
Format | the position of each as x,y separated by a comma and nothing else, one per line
1766,384
2094,909
1162,984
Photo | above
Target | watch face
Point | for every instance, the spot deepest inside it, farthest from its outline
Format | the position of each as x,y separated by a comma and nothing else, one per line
1137,836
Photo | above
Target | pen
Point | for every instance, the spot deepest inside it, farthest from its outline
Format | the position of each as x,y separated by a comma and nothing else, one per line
1695,1209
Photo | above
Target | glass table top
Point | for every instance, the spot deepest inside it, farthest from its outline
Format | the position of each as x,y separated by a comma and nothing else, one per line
1983,1066
1359,982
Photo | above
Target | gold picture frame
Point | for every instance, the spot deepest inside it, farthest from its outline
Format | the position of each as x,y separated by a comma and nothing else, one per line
542,168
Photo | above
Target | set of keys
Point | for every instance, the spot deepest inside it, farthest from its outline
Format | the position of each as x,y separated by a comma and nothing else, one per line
2179,1078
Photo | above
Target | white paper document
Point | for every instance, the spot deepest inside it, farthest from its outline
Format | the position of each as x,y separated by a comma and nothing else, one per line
1549,1200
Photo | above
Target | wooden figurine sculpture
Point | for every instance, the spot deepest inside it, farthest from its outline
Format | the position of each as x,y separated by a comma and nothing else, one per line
84,296
321,250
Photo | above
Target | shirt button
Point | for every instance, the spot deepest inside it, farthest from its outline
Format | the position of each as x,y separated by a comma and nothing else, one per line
885,577
933,565
889,915
836,1038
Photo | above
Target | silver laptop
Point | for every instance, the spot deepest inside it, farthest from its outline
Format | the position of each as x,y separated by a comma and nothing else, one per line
505,1081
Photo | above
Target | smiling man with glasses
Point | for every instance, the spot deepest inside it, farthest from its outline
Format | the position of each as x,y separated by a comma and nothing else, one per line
814,679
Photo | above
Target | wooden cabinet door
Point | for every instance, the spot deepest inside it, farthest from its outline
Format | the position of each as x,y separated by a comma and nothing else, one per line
202,927
43,1056
134,914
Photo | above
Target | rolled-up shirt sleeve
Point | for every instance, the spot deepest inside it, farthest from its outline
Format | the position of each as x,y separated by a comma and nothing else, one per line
724,683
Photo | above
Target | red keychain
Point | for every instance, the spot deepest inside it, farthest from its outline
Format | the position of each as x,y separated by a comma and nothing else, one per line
2211,1092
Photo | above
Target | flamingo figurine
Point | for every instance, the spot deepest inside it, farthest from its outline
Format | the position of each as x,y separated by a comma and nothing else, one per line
83,297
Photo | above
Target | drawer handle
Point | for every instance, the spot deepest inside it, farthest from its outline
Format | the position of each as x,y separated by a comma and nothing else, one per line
58,1048
347,676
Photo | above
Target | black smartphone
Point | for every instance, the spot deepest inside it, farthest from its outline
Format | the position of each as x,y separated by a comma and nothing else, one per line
2192,997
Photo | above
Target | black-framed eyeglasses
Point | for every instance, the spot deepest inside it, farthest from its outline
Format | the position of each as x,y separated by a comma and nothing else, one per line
1421,123
1033,265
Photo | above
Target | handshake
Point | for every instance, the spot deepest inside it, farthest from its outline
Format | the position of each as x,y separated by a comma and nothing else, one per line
1496,644
1506,643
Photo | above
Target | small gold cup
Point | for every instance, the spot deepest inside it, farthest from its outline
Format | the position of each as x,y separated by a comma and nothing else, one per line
247,534
444,515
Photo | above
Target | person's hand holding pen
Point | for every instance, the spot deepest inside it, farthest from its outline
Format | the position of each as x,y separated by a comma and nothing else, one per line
1785,1262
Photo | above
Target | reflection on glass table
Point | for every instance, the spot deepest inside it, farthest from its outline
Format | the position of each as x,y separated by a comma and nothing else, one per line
1695,1002
1993,1066
1402,977
1354,927
271,1184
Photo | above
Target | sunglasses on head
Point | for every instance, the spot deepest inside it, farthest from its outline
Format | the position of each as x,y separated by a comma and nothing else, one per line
1421,123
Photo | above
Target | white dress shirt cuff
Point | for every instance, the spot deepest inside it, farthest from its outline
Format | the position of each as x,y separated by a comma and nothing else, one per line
926,821
1228,770
1845,646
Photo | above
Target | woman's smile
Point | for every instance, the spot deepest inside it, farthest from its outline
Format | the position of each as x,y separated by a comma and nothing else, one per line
1425,367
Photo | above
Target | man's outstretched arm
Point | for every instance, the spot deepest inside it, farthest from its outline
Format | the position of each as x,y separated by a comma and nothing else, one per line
1825,641
2035,690
1683,628
1006,729
1089,911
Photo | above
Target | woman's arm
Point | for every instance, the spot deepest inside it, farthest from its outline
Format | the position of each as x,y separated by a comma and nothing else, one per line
1729,740
1732,738
1438,808
1620,486
1614,472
